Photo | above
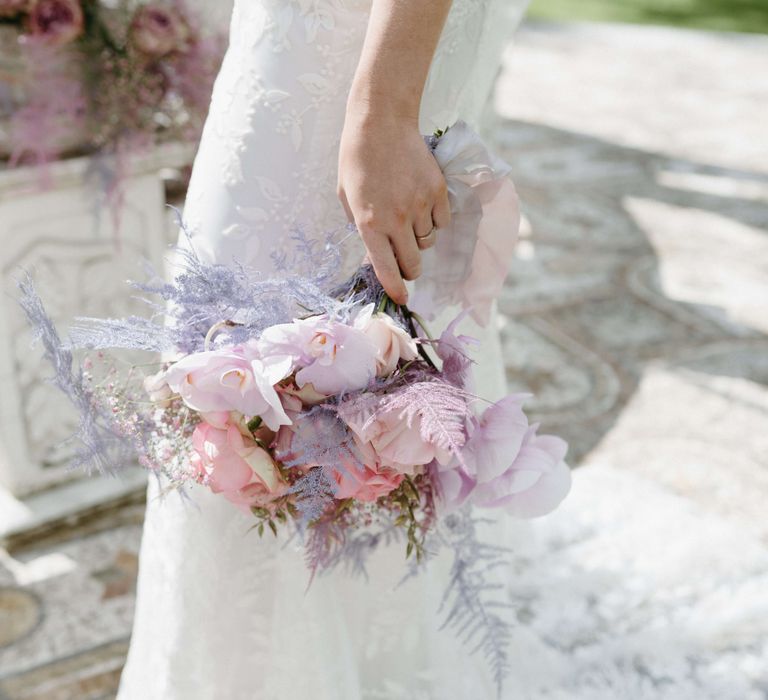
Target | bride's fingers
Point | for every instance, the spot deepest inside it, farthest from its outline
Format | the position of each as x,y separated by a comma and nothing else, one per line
441,211
424,235
385,265
407,252
345,203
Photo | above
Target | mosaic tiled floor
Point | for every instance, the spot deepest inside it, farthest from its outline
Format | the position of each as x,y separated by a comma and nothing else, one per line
636,313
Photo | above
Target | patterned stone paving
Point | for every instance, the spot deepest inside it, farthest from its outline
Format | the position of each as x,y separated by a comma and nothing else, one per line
636,311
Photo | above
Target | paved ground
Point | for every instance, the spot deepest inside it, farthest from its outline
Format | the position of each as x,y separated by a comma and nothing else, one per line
637,313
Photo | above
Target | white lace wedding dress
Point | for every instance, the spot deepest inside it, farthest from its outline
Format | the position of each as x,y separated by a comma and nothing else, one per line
222,614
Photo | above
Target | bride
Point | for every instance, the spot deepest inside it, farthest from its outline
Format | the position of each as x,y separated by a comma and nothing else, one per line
317,118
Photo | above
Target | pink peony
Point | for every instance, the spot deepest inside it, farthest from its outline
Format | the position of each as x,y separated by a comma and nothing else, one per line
57,22
156,31
231,379
13,8
393,343
397,443
331,356
233,464
367,485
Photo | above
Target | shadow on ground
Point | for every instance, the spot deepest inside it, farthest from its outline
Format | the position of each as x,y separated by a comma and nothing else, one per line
627,259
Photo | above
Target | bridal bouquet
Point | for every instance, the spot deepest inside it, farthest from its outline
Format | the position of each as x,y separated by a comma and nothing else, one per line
325,408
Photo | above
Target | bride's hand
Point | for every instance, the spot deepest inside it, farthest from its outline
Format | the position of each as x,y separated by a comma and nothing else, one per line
393,190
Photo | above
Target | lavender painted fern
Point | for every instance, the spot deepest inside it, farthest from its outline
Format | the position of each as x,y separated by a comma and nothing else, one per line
100,447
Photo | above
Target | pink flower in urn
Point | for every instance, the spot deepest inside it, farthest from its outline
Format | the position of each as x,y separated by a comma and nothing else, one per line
333,357
231,379
157,31
13,8
398,443
57,22
393,343
368,484
233,464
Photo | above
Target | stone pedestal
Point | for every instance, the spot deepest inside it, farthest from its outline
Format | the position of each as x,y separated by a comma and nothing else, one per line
65,236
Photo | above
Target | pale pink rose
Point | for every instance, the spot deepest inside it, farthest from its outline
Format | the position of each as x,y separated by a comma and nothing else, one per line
281,445
158,390
57,22
534,483
333,357
393,343
396,444
231,379
157,31
307,395
368,484
234,465
12,8
223,419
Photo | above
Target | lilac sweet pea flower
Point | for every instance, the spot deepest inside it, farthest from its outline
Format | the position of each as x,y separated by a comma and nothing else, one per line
536,481
496,439
332,356
231,379
507,465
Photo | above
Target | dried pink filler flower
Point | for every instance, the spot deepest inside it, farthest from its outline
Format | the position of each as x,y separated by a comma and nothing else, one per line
57,22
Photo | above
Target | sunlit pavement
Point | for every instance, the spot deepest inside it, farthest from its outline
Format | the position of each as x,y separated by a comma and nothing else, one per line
637,313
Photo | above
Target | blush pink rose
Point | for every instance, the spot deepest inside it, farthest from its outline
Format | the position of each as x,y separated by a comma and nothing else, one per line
333,357
231,379
13,8
397,443
393,343
255,494
57,22
156,31
233,464
368,484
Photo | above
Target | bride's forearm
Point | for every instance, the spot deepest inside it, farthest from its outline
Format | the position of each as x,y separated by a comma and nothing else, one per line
399,45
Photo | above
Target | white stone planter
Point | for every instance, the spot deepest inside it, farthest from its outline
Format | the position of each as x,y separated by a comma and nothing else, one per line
66,238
